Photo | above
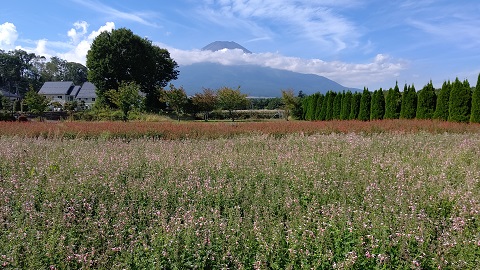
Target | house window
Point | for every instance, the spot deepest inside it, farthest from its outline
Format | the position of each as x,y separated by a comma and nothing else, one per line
93,99
60,97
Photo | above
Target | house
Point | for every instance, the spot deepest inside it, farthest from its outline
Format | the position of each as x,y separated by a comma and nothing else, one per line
9,95
63,92
87,94
60,92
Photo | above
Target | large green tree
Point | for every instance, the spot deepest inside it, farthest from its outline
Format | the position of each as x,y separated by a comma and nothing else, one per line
126,98
443,101
355,108
176,99
311,106
330,99
337,106
393,103
231,99
378,105
35,102
409,102
290,101
119,56
318,113
460,101
475,114
426,102
205,102
365,104
346,105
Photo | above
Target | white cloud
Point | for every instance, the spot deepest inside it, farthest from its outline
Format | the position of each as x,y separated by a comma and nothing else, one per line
139,17
74,50
315,21
380,69
76,36
8,36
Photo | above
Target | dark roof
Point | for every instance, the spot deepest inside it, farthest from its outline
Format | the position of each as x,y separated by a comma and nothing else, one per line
56,88
87,91
75,91
8,94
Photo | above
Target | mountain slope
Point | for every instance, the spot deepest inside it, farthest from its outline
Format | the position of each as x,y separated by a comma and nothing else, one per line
253,80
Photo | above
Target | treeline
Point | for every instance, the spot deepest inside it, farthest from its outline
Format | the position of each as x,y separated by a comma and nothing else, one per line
456,101
21,71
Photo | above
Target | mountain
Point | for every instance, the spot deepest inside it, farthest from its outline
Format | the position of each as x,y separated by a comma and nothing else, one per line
256,81
220,45
253,80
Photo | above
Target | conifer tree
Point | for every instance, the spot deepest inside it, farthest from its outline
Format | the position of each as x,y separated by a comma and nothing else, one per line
346,105
426,102
441,109
365,103
378,105
475,114
460,101
312,103
323,111
330,99
318,108
409,102
355,107
337,106
393,103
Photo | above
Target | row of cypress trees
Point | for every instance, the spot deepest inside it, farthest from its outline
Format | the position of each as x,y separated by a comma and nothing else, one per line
455,101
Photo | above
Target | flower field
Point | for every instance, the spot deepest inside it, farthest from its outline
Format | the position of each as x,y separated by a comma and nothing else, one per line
387,196
213,130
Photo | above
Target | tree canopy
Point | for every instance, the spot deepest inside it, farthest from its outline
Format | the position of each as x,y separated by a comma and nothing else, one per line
231,99
121,56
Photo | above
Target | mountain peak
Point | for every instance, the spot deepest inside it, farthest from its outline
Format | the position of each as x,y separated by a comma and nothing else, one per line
220,45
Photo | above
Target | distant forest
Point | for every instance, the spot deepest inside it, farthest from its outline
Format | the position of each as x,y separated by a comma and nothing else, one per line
21,71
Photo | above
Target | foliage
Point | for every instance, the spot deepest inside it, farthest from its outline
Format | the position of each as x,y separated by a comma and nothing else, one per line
58,69
231,99
176,99
320,111
19,70
206,101
365,105
360,202
409,102
378,105
311,106
291,102
119,56
126,98
355,109
460,101
35,102
393,103
426,102
346,105
330,100
443,101
337,106
475,114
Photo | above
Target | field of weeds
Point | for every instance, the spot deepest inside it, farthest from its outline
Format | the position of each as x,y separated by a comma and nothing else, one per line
213,130
304,200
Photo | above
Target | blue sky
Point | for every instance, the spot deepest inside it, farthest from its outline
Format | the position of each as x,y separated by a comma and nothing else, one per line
357,43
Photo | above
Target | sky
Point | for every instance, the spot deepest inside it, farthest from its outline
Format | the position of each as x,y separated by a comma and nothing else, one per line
357,43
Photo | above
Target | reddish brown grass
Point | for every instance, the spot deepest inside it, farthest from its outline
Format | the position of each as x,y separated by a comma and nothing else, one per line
198,130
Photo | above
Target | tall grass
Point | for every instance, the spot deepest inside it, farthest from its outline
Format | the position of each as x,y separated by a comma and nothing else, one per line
202,130
385,200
